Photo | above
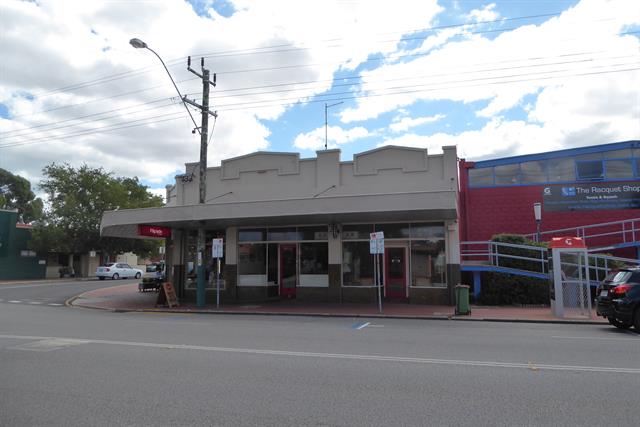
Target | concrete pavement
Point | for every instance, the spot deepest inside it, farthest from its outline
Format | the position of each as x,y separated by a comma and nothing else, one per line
127,298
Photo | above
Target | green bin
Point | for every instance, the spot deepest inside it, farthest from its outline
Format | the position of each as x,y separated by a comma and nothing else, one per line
462,300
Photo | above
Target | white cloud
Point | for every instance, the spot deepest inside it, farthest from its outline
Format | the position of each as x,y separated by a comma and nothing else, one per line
487,13
336,135
58,44
585,39
405,123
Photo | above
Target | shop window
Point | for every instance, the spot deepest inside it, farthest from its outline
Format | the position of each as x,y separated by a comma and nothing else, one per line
428,263
393,231
314,258
357,264
252,259
252,235
313,233
427,231
561,170
356,231
590,170
619,169
533,172
283,234
480,177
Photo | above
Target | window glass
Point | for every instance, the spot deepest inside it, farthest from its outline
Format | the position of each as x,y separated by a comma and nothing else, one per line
314,258
313,233
637,167
392,231
590,170
284,233
252,235
618,154
619,169
272,269
532,172
428,265
507,174
252,258
481,176
357,264
356,231
427,231
561,170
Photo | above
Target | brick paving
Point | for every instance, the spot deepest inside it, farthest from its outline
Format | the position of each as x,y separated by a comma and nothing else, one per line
127,298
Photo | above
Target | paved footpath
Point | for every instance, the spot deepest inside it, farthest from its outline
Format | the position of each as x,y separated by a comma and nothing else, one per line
127,298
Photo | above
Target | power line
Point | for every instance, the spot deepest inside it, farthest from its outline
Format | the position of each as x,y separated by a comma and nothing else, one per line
270,104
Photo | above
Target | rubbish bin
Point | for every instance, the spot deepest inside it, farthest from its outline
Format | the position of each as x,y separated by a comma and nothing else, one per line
462,300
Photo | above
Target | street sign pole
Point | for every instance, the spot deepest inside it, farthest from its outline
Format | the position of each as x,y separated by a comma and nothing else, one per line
217,252
218,286
376,247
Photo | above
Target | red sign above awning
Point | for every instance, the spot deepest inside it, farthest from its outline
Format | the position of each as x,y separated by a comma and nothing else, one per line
154,231
567,242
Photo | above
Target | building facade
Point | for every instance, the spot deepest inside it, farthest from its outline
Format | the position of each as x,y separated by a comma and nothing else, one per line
576,187
300,228
17,261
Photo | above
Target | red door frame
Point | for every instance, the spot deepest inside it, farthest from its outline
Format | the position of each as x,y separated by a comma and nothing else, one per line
388,281
284,291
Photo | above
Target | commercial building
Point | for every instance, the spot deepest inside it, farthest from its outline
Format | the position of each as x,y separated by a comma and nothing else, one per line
577,188
17,261
300,227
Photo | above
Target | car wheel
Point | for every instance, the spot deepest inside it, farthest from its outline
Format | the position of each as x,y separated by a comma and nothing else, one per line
138,275
115,276
636,320
618,324
101,277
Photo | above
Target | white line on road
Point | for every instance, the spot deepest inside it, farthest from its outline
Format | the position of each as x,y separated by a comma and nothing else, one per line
35,302
376,358
15,302
364,325
54,304
598,338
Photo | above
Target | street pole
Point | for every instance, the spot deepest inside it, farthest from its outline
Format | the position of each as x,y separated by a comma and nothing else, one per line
326,107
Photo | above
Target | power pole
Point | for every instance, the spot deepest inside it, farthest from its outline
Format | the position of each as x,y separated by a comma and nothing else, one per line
204,132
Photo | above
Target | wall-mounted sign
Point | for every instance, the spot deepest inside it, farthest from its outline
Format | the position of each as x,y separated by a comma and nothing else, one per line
154,231
567,242
592,196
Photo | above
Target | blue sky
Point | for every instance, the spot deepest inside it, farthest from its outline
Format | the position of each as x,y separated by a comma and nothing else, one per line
492,78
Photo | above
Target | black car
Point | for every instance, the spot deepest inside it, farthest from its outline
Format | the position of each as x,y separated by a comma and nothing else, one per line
619,298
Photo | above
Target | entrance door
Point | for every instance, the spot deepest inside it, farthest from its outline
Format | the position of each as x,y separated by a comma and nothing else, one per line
395,272
288,271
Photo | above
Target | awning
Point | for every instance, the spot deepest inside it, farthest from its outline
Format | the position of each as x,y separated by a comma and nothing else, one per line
400,207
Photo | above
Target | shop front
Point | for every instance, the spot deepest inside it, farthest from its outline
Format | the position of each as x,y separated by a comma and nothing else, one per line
299,229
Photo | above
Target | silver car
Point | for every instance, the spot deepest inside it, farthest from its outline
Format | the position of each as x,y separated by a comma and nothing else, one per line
117,270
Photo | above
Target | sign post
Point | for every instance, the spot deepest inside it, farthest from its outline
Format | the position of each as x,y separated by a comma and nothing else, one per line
217,252
376,247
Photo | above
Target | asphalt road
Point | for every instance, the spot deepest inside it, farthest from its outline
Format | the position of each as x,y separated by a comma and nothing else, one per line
78,367
51,292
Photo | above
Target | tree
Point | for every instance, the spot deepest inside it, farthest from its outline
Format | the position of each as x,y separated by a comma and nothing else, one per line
15,193
77,199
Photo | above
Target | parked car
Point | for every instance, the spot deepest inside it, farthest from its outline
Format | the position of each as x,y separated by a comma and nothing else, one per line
117,270
619,298
152,278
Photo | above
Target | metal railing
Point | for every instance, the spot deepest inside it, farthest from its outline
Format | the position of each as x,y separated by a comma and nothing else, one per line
500,254
627,231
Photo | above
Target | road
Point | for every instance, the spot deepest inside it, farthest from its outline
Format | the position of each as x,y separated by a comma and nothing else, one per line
78,367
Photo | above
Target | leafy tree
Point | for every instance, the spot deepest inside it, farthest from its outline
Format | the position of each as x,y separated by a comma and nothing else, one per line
19,196
77,199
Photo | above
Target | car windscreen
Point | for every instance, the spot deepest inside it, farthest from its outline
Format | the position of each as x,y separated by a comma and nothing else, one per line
151,268
618,277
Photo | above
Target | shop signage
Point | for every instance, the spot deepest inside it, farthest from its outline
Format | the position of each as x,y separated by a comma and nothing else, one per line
593,196
376,243
566,242
217,248
170,294
154,231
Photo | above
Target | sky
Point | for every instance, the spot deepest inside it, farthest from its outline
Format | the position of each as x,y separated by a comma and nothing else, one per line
495,79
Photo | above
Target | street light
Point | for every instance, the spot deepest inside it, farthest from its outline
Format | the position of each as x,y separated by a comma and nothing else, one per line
139,44
537,213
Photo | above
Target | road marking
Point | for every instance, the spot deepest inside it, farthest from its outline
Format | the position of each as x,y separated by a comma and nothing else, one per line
359,326
35,302
598,338
48,344
15,302
375,358
54,304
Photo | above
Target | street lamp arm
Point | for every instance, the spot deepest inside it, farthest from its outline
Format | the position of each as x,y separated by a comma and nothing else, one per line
144,45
